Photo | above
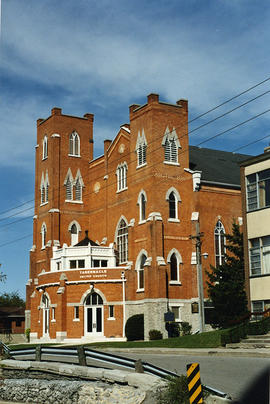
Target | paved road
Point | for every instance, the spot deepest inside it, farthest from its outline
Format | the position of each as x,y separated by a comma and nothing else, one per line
229,374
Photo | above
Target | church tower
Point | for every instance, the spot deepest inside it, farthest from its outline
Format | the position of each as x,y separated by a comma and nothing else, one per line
63,151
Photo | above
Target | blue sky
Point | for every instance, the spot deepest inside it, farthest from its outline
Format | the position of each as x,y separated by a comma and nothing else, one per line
100,57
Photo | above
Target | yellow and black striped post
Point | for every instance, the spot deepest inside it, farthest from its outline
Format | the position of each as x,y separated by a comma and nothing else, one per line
194,383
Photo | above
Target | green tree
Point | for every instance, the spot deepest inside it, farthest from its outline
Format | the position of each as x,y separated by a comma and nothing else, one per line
11,299
226,285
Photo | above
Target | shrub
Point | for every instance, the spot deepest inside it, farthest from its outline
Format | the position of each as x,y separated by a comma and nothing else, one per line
176,391
27,334
155,334
185,328
134,328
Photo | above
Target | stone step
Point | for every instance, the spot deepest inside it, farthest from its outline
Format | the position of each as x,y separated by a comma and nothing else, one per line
264,336
244,345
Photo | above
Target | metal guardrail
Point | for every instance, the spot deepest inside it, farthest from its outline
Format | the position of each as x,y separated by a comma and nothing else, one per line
82,354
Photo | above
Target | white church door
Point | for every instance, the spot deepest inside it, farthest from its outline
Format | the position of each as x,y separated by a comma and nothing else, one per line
93,315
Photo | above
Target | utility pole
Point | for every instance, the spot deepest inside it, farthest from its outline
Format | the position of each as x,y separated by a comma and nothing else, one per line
198,241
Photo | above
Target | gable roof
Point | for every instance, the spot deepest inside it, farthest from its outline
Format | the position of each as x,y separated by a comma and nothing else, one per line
217,166
85,241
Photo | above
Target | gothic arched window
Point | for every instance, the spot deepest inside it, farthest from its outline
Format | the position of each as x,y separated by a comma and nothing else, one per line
219,243
122,241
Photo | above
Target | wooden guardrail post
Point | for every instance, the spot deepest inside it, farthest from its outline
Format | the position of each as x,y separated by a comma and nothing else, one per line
139,366
194,383
81,355
38,353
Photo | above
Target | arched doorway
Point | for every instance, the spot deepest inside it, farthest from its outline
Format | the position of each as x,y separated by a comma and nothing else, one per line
93,315
46,315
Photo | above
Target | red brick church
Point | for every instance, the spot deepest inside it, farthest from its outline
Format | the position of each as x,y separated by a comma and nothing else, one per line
114,236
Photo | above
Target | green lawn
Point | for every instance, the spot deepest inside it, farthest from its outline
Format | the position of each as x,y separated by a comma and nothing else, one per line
210,339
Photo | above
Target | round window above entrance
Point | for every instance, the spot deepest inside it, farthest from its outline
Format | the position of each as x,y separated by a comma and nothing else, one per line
93,299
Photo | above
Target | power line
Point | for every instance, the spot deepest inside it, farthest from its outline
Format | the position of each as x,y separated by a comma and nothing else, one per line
192,120
158,162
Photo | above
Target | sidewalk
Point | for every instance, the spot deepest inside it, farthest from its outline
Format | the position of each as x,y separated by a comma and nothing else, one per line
236,352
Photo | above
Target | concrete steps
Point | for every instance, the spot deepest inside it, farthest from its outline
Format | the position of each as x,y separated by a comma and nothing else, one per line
252,341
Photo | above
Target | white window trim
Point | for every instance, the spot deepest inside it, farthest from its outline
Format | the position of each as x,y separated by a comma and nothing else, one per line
179,306
45,148
121,174
73,135
179,263
177,202
43,239
138,269
139,202
171,136
116,238
218,233
141,141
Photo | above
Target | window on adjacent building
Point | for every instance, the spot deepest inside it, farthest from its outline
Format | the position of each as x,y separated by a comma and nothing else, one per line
140,272
121,174
43,235
219,243
258,190
141,147
45,148
122,241
74,144
259,255
170,143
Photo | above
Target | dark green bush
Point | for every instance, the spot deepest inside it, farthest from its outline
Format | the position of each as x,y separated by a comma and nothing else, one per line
259,327
155,334
234,334
134,328
185,328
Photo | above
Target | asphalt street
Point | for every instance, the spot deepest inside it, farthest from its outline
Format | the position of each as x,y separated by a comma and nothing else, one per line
232,375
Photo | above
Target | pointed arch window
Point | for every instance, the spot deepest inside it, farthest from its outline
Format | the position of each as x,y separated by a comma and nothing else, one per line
45,148
122,241
142,199
121,174
171,145
43,235
44,189
141,147
219,243
75,195
173,198
78,190
172,206
175,262
74,144
69,190
140,272
74,231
